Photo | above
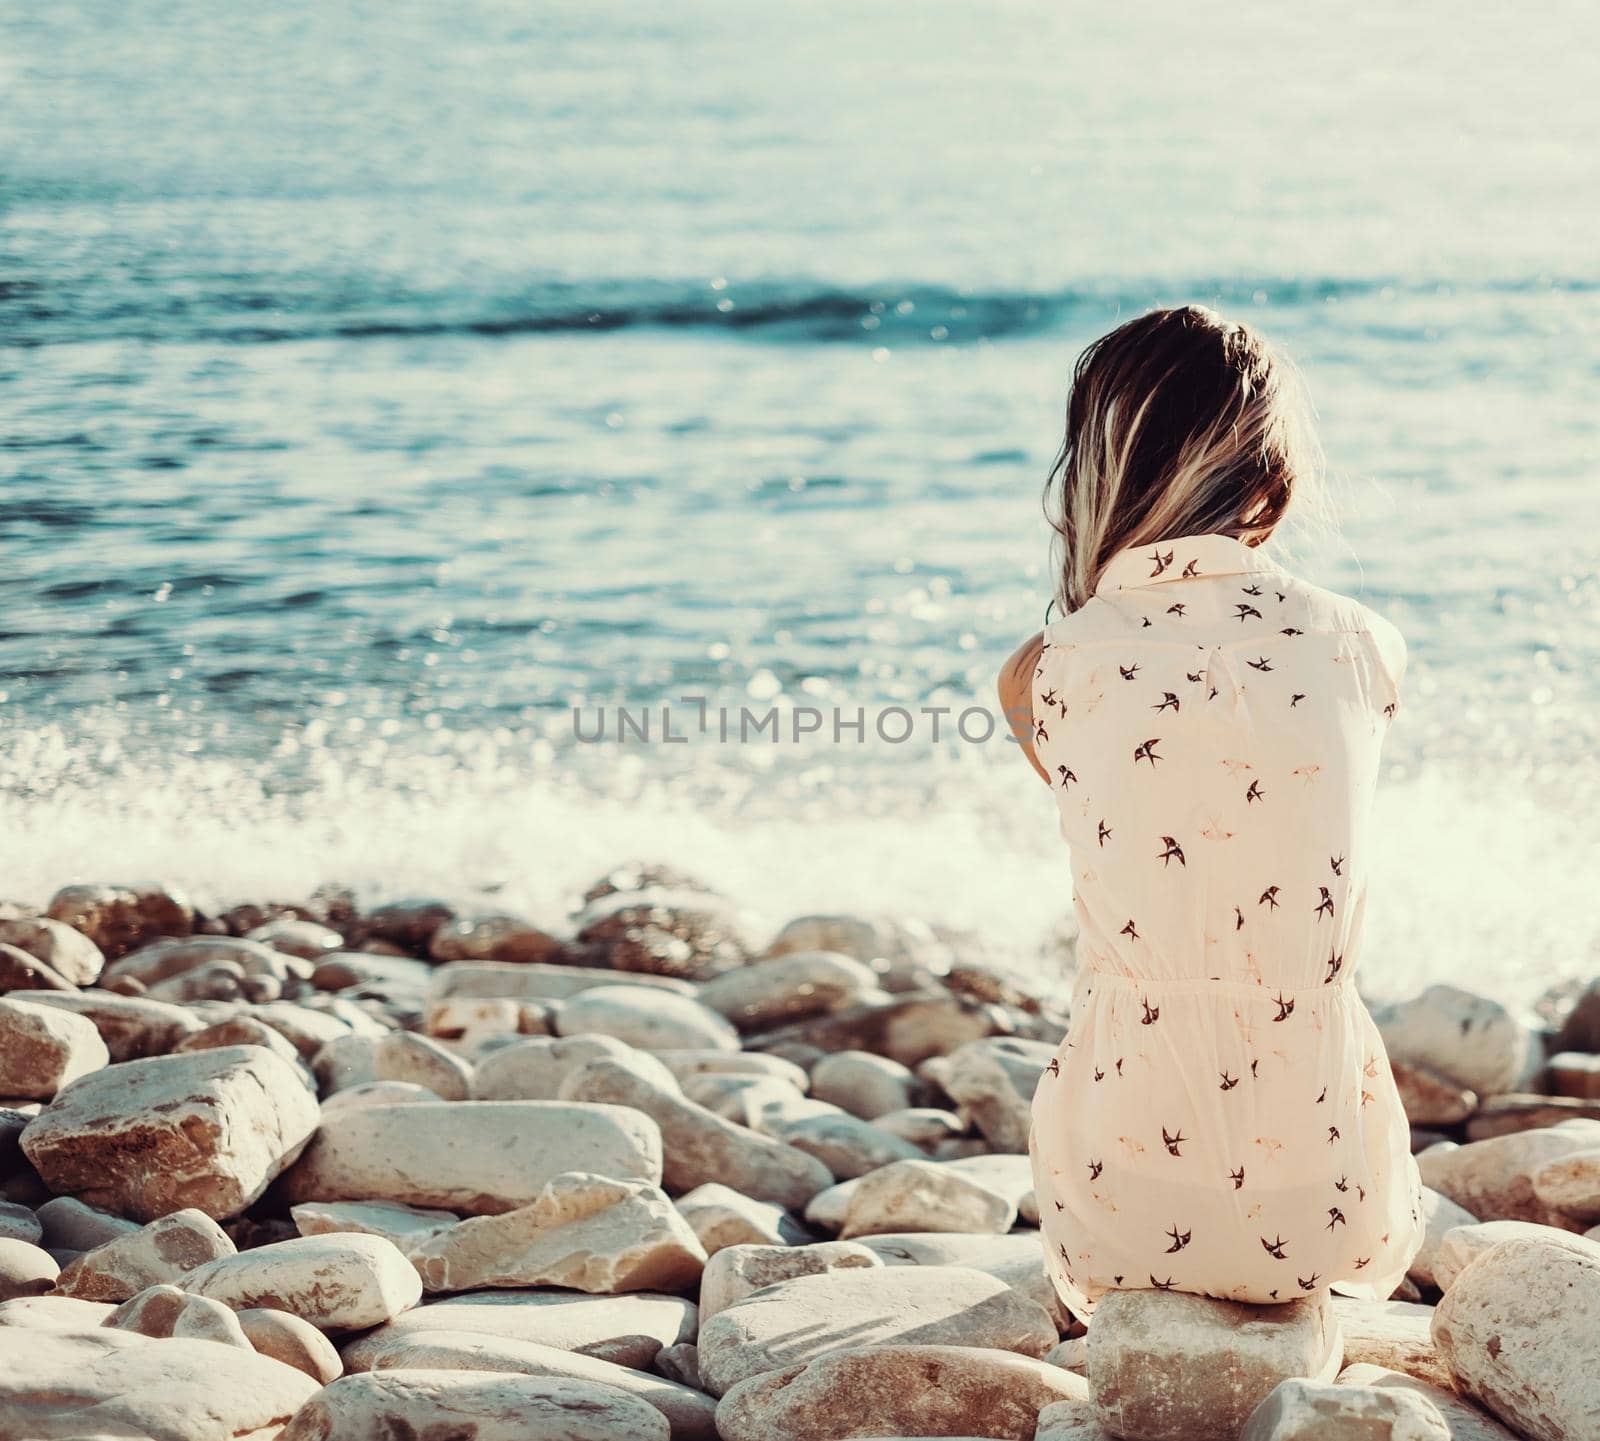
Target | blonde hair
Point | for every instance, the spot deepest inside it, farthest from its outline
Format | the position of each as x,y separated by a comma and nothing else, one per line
1178,423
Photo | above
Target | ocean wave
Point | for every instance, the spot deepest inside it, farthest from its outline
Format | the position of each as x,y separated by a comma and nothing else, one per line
248,310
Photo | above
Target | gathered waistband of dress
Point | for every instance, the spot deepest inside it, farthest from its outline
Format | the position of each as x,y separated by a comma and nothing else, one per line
1340,985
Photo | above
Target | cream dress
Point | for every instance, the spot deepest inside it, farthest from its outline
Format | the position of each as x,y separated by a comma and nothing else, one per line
1220,1116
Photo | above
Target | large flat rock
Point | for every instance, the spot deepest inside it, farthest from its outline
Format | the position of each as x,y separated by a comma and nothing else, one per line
69,1386
207,1129
473,1406
809,1316
1165,1366
1518,1330
472,1157
897,1391
629,1330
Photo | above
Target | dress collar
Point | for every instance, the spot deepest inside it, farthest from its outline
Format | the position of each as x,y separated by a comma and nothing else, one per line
1183,557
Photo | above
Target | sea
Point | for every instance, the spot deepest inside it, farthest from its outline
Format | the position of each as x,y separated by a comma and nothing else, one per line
448,449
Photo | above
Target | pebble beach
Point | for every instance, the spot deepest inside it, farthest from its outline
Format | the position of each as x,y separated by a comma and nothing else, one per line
331,1171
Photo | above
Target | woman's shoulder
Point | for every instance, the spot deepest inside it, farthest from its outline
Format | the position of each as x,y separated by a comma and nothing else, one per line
1334,610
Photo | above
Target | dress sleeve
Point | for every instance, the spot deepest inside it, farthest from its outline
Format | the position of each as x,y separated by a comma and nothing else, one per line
1050,717
1392,657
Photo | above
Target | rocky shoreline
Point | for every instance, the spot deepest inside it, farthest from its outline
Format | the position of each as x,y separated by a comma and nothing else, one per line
330,1172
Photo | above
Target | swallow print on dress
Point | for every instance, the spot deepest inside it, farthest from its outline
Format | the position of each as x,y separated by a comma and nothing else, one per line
1207,764
1055,1066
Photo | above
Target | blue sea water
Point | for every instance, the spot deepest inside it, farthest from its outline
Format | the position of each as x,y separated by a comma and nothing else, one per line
380,383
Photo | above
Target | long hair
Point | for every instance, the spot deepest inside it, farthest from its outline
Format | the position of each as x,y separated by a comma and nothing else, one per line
1179,423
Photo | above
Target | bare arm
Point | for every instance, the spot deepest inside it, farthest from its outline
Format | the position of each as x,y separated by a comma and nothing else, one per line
1015,684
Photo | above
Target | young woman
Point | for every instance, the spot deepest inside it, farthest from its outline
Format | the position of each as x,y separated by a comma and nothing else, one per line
1220,1116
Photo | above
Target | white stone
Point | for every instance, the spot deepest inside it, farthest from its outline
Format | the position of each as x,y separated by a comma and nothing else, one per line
924,1126
338,1282
1493,1179
1571,1185
924,1196
1391,1334
897,1390
69,1386
992,1082
1466,1421
291,1340
645,1017
1298,1410
164,1251
209,1129
722,1217
25,1270
162,1311
700,1146
629,1330
689,1412
472,1157
1016,1258
473,1406
294,937
735,1271
845,1144
510,980
584,1232
1517,1328
1471,1039
378,1093
1462,1246
787,987
533,1070
689,1061
43,1048
1441,1215
53,1313
1166,1366
131,1026
69,953
403,1225
798,1320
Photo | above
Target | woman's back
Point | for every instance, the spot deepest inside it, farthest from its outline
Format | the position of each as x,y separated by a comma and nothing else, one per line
1220,1116
1213,727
